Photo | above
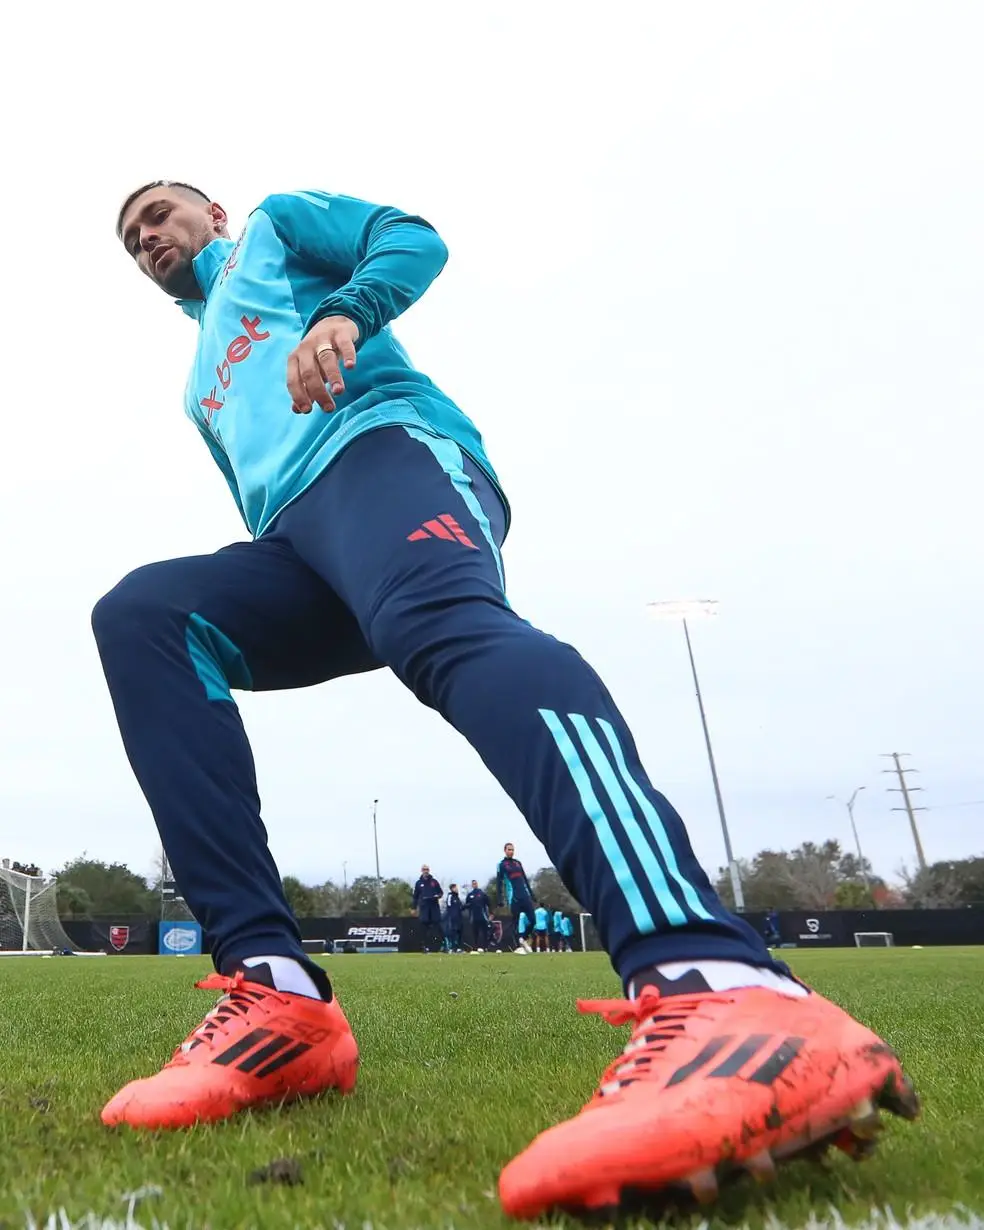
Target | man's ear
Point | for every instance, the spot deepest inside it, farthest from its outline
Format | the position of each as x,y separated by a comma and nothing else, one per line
220,219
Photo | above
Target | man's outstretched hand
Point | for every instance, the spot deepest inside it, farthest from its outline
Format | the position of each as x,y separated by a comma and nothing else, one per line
314,369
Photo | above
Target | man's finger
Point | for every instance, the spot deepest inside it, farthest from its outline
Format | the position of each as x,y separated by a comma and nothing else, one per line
314,383
328,360
295,386
346,352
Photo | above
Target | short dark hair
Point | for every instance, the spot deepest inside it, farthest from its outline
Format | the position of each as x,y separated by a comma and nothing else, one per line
156,183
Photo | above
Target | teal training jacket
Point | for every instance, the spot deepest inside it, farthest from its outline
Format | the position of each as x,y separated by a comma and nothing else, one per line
303,256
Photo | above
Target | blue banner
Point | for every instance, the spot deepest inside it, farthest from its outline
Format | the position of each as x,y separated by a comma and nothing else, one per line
179,939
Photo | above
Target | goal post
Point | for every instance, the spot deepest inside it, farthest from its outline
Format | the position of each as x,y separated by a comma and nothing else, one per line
874,939
29,922
590,940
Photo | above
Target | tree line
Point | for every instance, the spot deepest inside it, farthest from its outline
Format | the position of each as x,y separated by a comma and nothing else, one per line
91,888
822,876
813,876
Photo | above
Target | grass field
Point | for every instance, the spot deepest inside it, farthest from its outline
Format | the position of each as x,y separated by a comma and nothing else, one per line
464,1060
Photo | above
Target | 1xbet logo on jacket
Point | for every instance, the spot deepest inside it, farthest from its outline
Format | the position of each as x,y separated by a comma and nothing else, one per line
237,350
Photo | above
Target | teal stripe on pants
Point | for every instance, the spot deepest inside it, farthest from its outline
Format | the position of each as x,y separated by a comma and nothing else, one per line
656,825
603,829
644,851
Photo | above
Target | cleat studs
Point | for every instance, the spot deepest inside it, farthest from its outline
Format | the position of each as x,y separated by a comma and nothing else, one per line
761,1166
703,1184
898,1096
864,1121
856,1147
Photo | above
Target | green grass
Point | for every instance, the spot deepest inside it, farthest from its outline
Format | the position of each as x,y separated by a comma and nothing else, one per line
450,1089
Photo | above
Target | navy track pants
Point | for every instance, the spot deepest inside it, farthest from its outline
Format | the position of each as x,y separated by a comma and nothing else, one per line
391,558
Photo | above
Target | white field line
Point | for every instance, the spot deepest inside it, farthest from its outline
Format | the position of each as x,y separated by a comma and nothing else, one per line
958,1218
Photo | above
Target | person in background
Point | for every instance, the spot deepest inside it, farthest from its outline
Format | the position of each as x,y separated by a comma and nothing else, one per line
556,932
523,928
427,906
477,906
452,920
567,932
770,930
513,888
541,929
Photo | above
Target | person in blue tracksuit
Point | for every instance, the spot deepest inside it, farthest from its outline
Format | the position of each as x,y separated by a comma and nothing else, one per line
452,920
513,889
770,928
541,929
567,931
427,902
556,934
477,908
376,522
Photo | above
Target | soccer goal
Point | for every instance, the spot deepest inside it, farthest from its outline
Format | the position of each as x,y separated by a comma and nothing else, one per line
29,922
874,939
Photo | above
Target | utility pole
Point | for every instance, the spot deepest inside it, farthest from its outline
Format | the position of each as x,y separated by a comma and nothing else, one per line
906,791
379,878
344,876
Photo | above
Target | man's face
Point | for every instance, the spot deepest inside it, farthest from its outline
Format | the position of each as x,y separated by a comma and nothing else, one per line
425,870
164,229
510,851
474,884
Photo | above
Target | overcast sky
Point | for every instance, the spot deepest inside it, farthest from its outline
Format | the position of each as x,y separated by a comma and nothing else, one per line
714,298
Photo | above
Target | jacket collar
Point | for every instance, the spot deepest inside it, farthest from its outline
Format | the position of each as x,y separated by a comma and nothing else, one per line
206,265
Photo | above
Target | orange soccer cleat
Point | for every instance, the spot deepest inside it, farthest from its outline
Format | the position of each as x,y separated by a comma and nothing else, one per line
256,1046
709,1085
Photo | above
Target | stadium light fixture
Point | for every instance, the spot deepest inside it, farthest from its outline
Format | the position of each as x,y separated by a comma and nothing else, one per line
692,609
849,804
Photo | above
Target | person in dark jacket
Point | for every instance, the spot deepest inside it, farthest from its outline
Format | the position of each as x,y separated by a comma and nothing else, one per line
477,906
427,903
453,912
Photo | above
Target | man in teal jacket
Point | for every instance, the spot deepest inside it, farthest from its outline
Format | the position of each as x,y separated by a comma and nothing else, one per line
376,522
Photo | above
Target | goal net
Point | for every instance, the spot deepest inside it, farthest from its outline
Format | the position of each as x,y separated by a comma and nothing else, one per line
874,939
29,914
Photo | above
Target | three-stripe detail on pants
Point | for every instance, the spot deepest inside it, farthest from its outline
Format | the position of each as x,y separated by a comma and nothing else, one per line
613,816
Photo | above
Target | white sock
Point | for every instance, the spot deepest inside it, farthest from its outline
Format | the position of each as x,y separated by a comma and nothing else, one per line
729,976
288,975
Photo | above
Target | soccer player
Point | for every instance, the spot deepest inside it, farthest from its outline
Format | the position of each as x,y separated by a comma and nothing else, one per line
477,906
770,929
376,521
541,928
567,931
427,903
452,920
556,930
513,888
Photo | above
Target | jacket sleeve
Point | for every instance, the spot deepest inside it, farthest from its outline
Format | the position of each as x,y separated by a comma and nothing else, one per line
498,885
222,461
383,259
416,894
